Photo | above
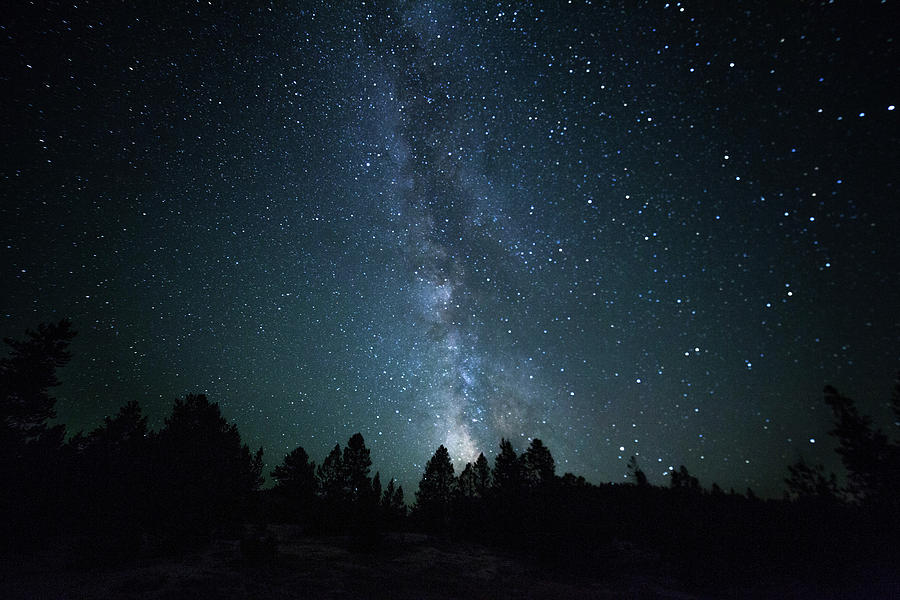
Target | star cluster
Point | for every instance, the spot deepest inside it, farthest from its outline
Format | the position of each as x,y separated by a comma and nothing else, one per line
655,230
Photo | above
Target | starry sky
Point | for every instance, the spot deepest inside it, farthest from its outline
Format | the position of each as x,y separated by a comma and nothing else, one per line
650,228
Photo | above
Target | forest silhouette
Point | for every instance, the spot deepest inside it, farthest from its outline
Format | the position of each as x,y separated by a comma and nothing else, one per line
121,492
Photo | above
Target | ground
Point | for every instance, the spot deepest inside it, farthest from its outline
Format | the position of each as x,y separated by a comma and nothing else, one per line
403,566
289,564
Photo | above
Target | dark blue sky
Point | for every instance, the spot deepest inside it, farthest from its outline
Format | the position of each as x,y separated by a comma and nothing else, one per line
656,230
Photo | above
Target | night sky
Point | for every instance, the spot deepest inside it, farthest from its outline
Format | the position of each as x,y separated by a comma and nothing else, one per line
653,229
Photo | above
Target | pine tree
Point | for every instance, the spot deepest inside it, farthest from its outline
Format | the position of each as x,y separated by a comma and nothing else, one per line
467,482
640,478
538,467
392,504
296,477
331,475
376,485
481,476
507,469
681,479
26,376
810,481
128,427
437,488
357,462
119,445
111,479
871,461
208,474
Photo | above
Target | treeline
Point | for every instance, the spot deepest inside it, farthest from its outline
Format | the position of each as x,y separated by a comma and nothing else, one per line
818,529
121,485
123,489
340,495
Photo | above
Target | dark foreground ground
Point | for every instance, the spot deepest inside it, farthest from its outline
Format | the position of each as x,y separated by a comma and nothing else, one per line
400,565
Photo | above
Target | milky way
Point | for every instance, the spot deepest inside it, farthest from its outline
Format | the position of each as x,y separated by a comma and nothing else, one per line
655,230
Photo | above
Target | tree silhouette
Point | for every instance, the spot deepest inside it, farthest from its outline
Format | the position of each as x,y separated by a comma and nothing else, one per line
376,487
349,494
481,476
112,481
872,462
570,480
507,473
296,479
118,448
127,428
392,505
538,468
436,489
472,509
681,479
30,467
810,481
357,462
208,474
639,476
26,376
331,476
466,482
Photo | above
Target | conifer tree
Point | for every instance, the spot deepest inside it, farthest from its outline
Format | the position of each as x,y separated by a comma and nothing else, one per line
640,478
682,479
120,444
810,481
374,496
507,472
296,476
331,475
872,462
481,476
538,467
111,480
437,488
467,482
392,504
207,473
26,376
357,462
